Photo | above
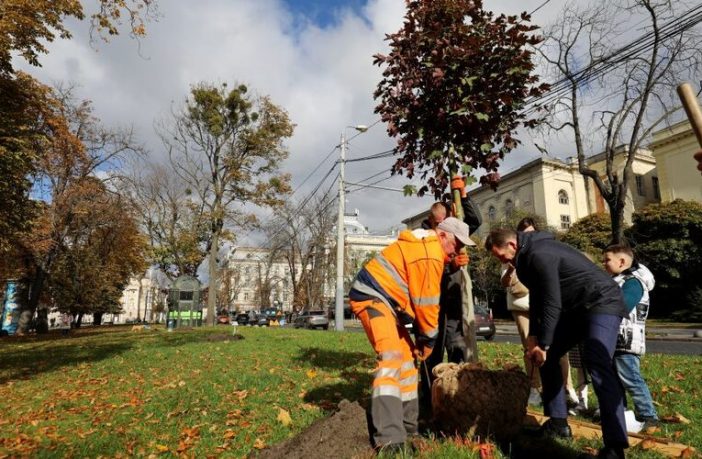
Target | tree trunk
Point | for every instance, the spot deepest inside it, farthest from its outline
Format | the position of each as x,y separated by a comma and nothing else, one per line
78,320
29,306
97,318
212,289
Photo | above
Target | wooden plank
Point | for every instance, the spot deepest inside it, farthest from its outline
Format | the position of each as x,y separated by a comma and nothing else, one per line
588,430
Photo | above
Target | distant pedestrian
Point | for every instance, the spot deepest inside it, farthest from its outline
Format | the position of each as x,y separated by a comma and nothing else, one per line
65,323
636,282
571,300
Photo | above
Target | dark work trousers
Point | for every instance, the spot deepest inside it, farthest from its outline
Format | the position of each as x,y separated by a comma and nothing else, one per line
451,339
598,333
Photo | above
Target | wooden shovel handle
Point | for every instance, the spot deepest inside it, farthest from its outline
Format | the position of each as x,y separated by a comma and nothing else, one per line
692,108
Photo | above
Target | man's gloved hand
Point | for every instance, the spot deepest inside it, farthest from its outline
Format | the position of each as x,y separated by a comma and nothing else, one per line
457,183
460,260
422,353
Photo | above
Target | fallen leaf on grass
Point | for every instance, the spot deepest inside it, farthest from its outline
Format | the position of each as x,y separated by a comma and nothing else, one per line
311,374
647,443
688,453
259,444
241,394
677,418
229,433
284,417
161,448
308,406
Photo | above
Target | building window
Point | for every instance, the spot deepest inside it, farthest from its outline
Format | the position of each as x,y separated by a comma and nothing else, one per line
640,185
246,296
656,188
565,222
563,197
492,213
509,208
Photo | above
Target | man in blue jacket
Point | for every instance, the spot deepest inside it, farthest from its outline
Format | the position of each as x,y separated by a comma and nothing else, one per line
571,300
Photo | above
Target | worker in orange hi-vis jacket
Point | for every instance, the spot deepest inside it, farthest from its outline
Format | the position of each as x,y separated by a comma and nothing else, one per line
401,286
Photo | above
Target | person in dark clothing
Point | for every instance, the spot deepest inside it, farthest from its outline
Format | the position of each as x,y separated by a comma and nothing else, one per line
571,300
451,338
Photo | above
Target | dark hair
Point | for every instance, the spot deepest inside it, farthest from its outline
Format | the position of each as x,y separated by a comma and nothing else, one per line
525,223
499,237
619,248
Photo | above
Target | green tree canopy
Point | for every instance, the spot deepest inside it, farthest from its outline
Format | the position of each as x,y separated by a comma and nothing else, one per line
667,238
591,234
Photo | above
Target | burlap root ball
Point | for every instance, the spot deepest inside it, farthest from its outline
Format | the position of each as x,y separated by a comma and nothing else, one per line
469,399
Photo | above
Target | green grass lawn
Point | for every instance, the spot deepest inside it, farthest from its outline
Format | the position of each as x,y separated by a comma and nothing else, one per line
116,393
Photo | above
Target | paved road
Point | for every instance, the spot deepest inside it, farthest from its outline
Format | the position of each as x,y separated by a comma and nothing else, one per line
676,341
655,346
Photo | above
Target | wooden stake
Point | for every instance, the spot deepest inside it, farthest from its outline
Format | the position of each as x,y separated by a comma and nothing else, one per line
588,430
692,108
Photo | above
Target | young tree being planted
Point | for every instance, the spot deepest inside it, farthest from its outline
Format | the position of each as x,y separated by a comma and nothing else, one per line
453,89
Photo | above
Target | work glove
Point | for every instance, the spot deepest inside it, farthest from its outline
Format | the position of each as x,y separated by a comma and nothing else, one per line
457,183
422,353
460,260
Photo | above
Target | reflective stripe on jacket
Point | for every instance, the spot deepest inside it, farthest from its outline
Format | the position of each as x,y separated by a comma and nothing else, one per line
406,275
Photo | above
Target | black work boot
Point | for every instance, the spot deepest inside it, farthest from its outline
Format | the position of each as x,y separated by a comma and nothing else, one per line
555,428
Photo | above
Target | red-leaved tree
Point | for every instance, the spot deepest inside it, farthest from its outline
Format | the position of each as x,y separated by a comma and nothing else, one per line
454,87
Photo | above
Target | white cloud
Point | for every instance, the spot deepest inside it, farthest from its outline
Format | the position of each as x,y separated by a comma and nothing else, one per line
324,77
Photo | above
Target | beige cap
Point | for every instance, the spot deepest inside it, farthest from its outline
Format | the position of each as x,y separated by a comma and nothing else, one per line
457,228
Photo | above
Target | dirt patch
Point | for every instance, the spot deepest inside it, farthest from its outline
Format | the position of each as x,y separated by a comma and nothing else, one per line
223,337
341,435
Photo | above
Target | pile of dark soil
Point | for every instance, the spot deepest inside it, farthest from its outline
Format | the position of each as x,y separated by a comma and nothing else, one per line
343,435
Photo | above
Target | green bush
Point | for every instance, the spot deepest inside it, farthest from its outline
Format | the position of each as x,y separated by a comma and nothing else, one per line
667,238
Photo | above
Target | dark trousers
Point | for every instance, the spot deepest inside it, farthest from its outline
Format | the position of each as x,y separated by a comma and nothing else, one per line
451,339
598,333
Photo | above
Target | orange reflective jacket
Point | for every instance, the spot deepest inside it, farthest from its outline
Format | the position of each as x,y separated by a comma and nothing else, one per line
407,276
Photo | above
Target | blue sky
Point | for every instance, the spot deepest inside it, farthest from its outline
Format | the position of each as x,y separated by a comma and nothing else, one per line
323,13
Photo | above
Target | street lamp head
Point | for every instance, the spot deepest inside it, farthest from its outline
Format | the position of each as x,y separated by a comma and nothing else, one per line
360,127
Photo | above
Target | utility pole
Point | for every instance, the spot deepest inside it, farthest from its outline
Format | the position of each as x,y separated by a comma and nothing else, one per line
339,306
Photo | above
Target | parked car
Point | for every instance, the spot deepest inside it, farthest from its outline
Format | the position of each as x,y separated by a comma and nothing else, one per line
261,320
242,318
484,322
312,319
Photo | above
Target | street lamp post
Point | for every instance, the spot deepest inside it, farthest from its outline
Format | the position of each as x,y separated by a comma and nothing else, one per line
339,305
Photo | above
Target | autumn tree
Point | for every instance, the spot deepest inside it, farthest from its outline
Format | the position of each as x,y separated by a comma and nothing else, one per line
27,25
102,249
176,225
77,148
227,145
27,123
616,95
301,233
454,88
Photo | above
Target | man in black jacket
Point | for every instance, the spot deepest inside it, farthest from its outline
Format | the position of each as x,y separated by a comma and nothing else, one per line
451,337
571,300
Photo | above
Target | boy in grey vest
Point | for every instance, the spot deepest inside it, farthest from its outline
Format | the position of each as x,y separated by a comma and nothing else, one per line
636,282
